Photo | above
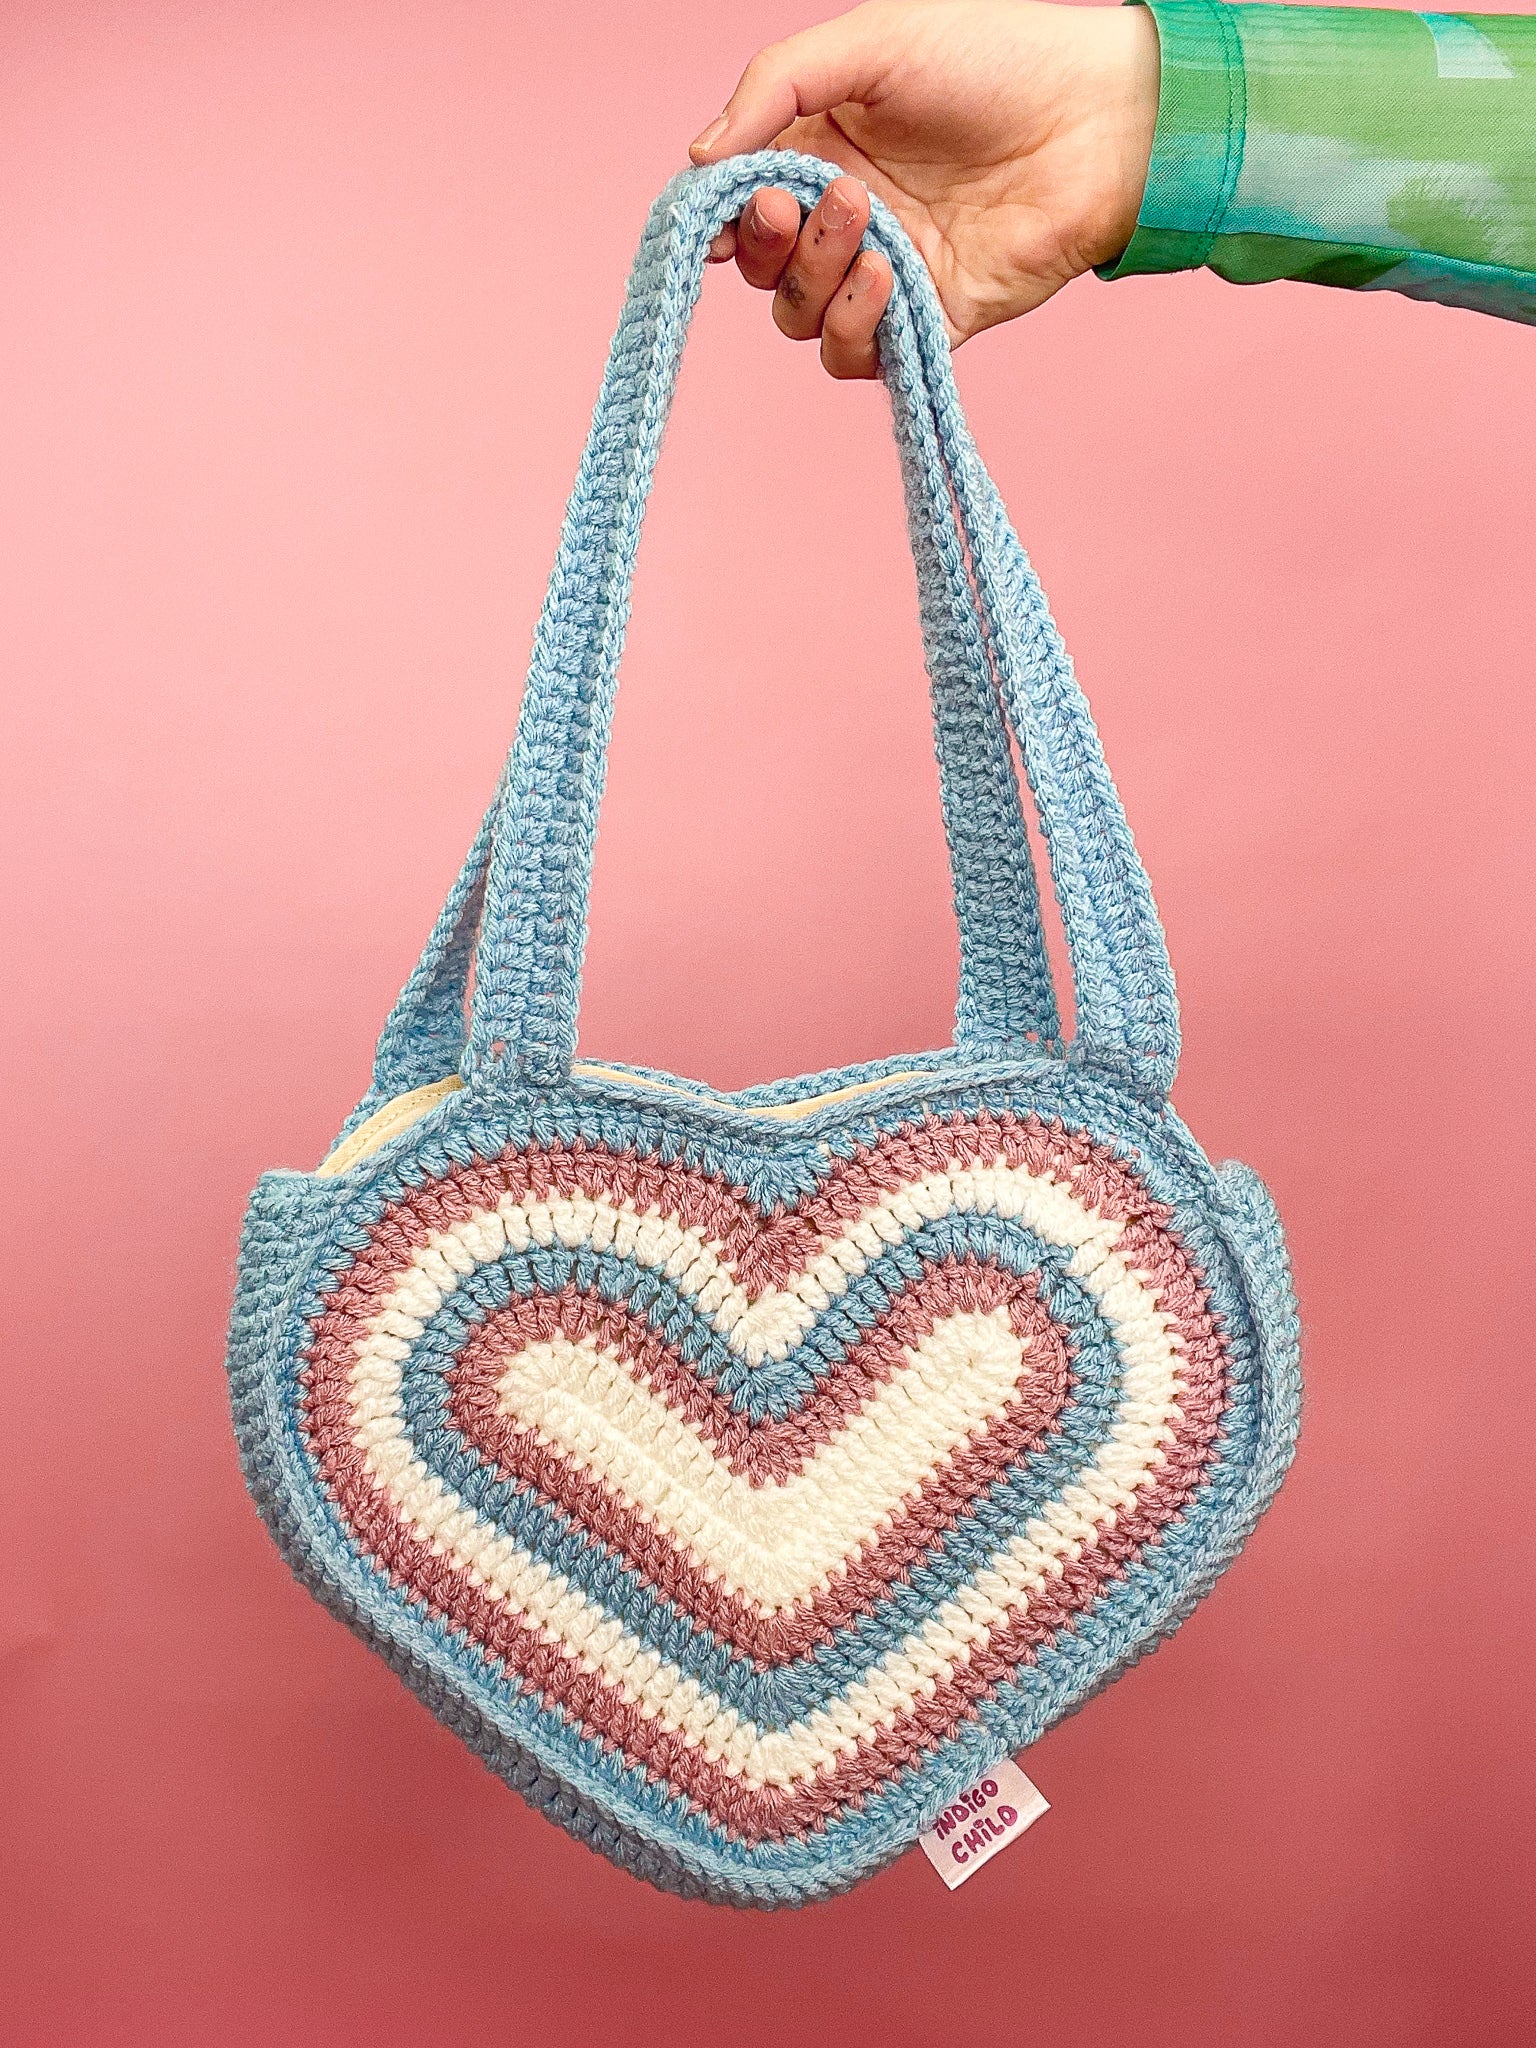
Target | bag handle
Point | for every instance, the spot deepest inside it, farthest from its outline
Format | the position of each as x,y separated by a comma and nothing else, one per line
1006,996
989,640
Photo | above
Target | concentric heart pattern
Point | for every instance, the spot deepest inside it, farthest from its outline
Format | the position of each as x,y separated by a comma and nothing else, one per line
759,1509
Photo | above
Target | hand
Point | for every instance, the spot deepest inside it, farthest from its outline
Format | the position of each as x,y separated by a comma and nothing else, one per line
1010,139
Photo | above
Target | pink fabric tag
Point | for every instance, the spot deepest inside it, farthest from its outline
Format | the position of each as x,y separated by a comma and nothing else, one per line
985,1818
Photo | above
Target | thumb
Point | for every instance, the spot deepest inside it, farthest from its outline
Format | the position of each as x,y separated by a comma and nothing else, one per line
822,68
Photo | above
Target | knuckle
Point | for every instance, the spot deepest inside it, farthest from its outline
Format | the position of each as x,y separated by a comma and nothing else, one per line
764,67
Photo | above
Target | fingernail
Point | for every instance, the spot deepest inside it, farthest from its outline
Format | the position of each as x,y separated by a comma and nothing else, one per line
860,278
837,211
761,225
708,137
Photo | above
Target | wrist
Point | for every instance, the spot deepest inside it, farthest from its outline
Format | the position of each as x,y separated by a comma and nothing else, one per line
1128,97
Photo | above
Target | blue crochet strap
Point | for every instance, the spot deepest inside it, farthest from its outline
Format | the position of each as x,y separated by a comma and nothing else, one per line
1006,995
990,642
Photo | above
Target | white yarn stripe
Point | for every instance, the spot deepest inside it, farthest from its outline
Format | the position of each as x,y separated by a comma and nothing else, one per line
1144,1419
771,1326
776,1543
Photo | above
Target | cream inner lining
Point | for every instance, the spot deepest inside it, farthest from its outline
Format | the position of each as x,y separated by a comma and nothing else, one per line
397,1116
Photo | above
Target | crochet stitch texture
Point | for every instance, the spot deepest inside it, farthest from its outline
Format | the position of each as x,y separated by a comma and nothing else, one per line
742,1475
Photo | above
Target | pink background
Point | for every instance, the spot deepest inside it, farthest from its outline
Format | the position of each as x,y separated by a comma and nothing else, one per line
304,311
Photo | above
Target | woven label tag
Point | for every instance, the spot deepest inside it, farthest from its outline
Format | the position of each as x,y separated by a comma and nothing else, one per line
985,1818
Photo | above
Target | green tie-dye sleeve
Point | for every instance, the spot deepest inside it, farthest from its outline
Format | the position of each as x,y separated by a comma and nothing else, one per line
1348,146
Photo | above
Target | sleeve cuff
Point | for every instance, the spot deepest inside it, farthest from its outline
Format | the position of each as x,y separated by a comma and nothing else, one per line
1363,147
1197,148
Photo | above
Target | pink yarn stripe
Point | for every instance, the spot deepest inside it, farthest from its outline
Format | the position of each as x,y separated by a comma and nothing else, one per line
770,1452
767,1248
602,1713
923,1519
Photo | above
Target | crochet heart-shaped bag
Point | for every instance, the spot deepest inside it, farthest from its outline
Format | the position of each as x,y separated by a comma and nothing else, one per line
741,1476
